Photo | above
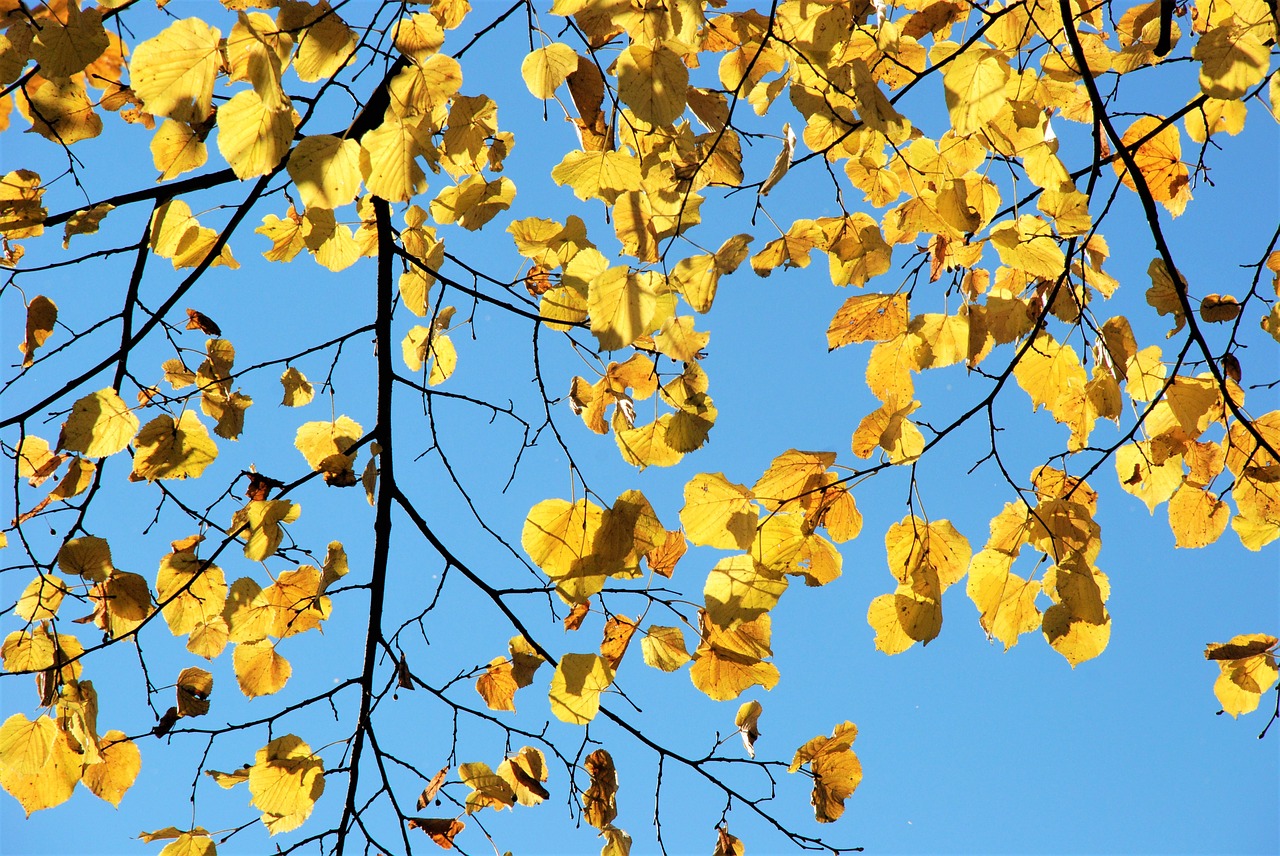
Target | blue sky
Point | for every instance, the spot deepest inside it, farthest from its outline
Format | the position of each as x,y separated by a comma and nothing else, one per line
964,748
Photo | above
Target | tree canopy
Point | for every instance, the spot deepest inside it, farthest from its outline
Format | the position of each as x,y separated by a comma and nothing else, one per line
389,326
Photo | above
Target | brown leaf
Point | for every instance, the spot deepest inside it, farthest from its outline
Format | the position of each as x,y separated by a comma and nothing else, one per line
260,486
166,722
433,787
576,616
404,678
441,829
600,801
203,323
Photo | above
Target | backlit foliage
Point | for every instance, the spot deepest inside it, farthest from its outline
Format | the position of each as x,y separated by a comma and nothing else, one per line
921,140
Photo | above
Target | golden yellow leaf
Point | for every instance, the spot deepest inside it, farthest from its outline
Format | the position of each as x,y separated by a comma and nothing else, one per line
576,686
622,306
652,81
59,110
298,391
191,591
285,780
41,598
319,442
525,772
1027,244
664,648
179,237
38,766
260,670
497,686
545,68
728,845
598,175
740,589
326,170
252,136
121,603
116,771
418,36
728,662
87,556
1077,625
560,537
718,513
1005,601
1160,162
327,45
835,768
488,789
974,85
176,148
474,202
69,40
1197,517
100,424
388,161
173,72
194,686
868,318
169,448
618,630
296,601
1233,59
1248,669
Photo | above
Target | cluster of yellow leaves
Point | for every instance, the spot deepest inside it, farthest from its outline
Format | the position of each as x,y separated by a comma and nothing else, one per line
519,779
835,769
925,558
42,760
1248,669
1061,528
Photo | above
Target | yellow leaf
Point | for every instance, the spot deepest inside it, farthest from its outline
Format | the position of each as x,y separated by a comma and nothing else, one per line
285,780
258,523
59,110
326,46
121,603
728,662
418,36
388,161
190,591
474,202
718,513
100,424
974,84
298,391
1160,162
260,670
525,772
598,175
88,556
560,537
117,770
179,237
194,686
835,768
326,170
1248,665
497,686
664,648
622,305
1233,59
489,790
38,766
546,68
1027,244
652,82
1197,517
739,589
169,448
320,441
41,598
69,41
747,720
252,136
296,600
1077,625
177,148
173,72
21,214
618,630
868,318
576,686
1007,602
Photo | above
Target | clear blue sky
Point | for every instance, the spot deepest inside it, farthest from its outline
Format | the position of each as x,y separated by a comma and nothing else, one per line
965,749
